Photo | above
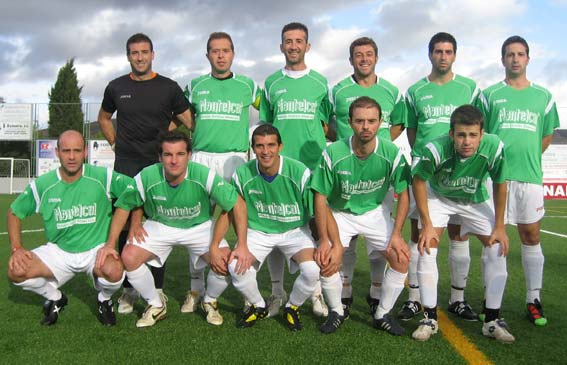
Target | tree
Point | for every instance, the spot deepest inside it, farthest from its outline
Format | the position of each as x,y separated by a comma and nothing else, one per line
2,100
65,102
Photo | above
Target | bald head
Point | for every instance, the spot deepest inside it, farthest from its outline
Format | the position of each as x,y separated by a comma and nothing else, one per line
70,136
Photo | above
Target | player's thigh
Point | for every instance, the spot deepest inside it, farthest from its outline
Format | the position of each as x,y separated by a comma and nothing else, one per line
477,218
525,203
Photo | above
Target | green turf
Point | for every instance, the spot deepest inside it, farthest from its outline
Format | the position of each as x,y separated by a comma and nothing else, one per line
187,338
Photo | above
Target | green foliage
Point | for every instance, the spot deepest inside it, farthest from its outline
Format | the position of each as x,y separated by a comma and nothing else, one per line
65,102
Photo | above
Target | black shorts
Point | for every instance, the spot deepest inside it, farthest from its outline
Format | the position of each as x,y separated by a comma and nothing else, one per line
131,167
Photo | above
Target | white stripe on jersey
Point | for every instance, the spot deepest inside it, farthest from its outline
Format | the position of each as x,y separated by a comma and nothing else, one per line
108,181
327,160
435,153
210,180
304,179
35,196
140,186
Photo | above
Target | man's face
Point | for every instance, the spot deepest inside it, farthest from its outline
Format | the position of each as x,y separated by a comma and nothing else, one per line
515,59
220,55
294,46
140,57
442,57
365,123
466,139
267,151
364,60
175,158
71,153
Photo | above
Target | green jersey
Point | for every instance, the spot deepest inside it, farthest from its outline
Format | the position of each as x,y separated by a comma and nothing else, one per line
187,204
76,215
280,205
355,185
430,105
521,118
387,95
460,179
221,110
296,102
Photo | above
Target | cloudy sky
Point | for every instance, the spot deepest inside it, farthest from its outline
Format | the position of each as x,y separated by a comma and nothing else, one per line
38,36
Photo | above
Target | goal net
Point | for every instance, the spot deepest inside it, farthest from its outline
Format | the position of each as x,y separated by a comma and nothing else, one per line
14,175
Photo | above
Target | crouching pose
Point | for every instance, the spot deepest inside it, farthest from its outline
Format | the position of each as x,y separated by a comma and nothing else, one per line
75,204
277,194
455,167
352,179
176,196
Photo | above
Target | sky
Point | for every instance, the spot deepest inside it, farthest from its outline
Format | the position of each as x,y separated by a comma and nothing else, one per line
37,37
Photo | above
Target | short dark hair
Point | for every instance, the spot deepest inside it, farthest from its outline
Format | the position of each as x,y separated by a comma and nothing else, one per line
364,102
219,35
467,115
138,38
440,38
295,26
515,39
265,130
363,41
172,137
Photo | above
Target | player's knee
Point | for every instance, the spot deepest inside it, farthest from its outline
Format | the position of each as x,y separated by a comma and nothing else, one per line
17,275
530,237
130,259
400,263
310,270
113,270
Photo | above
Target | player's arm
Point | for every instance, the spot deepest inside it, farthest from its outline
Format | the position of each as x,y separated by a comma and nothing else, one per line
545,142
106,127
20,258
186,118
119,219
499,231
397,242
427,233
329,251
137,230
411,132
396,130
241,253
217,257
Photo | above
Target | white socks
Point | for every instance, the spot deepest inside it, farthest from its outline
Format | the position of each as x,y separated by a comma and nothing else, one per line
216,285
332,286
532,261
413,282
106,288
347,268
377,272
428,276
305,283
247,285
391,289
494,274
276,265
143,281
459,264
42,286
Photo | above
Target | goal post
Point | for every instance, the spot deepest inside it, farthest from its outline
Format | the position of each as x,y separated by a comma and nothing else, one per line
15,174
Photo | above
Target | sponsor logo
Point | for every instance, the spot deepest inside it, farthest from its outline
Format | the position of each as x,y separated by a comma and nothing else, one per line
77,214
257,192
343,172
297,106
360,187
54,200
282,91
500,101
180,212
159,197
203,92
426,97
126,96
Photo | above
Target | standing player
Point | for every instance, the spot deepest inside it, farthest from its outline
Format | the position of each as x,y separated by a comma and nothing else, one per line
524,115
278,199
176,196
456,167
364,82
430,102
296,102
75,204
146,103
353,178
221,102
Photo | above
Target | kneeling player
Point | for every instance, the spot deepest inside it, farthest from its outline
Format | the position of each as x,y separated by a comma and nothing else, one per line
176,196
75,204
456,166
277,194
353,179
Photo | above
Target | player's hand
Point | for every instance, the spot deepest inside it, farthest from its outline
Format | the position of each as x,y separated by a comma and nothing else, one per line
499,236
244,259
399,247
137,232
219,260
335,259
103,254
427,235
322,254
20,260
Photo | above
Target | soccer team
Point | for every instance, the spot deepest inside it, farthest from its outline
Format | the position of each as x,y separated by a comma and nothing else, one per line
476,166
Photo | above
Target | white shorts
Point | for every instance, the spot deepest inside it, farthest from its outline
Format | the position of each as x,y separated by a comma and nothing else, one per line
161,239
65,264
475,218
223,164
289,243
376,226
524,203
413,213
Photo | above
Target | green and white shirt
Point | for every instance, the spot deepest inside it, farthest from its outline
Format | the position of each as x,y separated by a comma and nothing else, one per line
296,102
278,206
76,215
460,179
187,204
387,95
521,118
357,186
430,105
222,112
